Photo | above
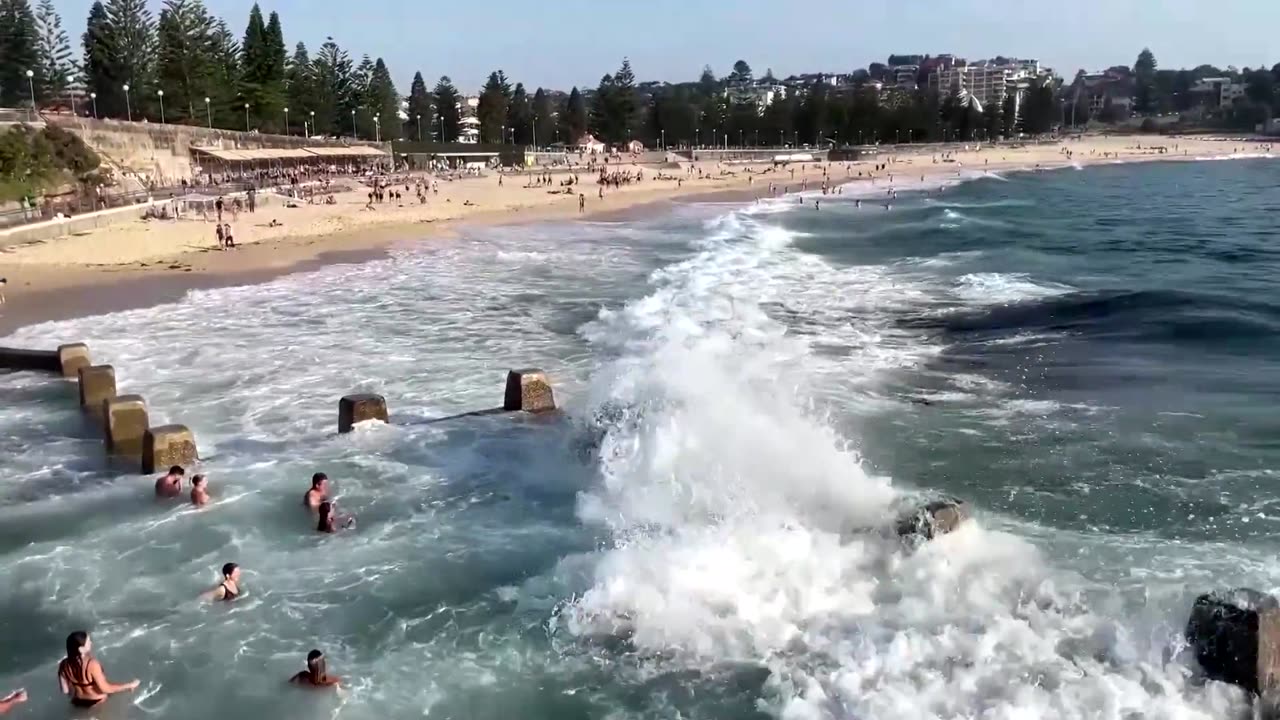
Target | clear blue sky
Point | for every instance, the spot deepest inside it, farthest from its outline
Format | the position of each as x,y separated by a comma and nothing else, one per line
561,43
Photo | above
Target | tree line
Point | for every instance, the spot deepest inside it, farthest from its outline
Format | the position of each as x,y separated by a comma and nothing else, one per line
188,66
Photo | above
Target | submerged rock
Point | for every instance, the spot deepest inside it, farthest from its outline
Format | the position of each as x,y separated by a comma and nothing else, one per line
1236,638
935,518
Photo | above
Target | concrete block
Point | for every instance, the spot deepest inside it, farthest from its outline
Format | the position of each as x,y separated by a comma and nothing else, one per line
72,357
126,425
528,390
167,445
1236,638
353,409
933,519
97,384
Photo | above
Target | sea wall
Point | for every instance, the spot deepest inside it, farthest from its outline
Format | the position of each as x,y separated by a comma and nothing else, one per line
162,153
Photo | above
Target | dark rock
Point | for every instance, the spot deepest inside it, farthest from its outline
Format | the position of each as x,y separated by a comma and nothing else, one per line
1236,638
935,518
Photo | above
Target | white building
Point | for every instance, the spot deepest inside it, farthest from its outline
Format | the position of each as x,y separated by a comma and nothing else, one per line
904,77
763,95
987,82
1220,92
469,129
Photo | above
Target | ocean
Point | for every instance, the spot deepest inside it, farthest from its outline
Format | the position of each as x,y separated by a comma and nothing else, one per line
751,393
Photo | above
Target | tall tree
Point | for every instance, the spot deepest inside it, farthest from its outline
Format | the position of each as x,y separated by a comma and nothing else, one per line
418,125
613,108
299,84
98,65
360,99
448,115
262,71
544,120
707,82
1009,115
222,93
573,118
1144,73
520,116
332,75
741,74
492,110
383,102
57,67
19,52
186,64
132,32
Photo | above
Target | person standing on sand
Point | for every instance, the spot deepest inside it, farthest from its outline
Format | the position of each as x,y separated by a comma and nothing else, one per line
226,235
170,484
199,493
217,231
218,206
582,202
80,675
316,675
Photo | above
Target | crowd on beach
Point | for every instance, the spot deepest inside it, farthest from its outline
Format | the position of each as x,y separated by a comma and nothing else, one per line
81,676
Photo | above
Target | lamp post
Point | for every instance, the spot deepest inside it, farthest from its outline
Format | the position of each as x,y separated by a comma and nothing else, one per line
377,127
94,97
419,118
664,139
246,117
313,123
160,93
354,133
286,121
208,113
31,83
127,107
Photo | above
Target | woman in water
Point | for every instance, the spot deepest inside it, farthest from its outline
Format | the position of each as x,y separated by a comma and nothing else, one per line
330,520
81,676
315,674
229,588
199,491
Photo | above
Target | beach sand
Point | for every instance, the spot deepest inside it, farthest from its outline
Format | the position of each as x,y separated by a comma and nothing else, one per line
144,262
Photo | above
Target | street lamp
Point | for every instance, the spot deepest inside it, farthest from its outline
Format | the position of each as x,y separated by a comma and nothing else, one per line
94,97
354,133
31,83
161,94
246,117
313,123
377,127
127,107
419,117
208,113
286,121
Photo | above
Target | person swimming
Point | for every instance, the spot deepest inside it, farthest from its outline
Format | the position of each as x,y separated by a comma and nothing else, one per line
80,675
319,491
170,485
229,588
330,520
316,674
199,491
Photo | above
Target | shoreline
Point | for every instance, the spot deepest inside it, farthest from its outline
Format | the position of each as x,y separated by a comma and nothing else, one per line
54,292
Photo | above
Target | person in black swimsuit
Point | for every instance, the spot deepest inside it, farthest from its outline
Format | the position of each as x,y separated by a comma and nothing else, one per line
81,676
316,674
229,588
330,520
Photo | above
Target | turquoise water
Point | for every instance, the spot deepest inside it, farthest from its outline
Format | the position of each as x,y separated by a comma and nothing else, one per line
751,394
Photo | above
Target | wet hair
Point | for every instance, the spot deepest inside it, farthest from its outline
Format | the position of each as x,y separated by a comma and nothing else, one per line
318,478
228,569
75,655
197,479
177,470
316,666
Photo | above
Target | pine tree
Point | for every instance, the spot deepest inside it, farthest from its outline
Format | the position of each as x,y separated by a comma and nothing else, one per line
99,64
544,121
262,72
447,112
54,49
132,32
300,84
418,125
223,94
613,109
492,110
573,118
19,52
383,102
1144,74
359,99
186,66
520,116
331,73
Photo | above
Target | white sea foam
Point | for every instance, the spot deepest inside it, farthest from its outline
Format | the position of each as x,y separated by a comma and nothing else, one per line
987,288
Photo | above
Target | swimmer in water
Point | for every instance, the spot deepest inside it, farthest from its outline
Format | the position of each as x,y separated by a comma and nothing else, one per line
319,491
170,485
80,675
330,520
229,588
315,675
12,700
199,491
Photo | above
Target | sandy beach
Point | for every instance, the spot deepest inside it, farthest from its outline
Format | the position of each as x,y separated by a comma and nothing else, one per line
143,262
